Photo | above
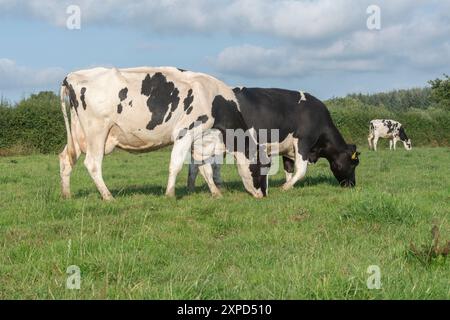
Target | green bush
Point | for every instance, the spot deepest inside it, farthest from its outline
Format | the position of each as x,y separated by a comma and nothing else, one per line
36,125
397,100
440,92
425,127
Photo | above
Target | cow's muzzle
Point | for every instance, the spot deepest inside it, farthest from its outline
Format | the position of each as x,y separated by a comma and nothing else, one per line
347,183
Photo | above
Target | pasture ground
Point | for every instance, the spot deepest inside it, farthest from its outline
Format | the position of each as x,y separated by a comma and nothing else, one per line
315,241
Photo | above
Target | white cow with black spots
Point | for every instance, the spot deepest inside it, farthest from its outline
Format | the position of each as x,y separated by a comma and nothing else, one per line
144,109
388,129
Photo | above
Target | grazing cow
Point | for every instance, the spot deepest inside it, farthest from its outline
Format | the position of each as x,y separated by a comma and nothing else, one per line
144,109
389,129
306,133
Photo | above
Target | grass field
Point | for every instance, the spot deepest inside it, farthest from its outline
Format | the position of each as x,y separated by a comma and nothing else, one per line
315,241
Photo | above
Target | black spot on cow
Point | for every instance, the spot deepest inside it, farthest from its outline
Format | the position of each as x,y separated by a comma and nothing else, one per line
181,70
172,109
130,103
123,94
188,111
182,133
203,118
188,100
388,124
161,93
72,95
200,120
83,97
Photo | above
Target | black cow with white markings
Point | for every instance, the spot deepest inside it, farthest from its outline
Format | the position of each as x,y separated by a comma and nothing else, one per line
306,133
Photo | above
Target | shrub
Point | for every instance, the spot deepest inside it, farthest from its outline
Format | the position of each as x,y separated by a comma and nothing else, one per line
35,123
425,127
440,92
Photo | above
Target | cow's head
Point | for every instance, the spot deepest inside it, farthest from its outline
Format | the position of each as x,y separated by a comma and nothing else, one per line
254,179
344,164
259,179
407,144
404,138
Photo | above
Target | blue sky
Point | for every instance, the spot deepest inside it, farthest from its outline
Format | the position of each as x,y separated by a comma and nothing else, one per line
322,46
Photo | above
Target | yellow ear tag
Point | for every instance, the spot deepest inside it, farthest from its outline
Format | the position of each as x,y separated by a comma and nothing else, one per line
354,156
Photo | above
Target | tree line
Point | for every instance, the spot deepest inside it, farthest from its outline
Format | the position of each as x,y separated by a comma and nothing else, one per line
35,124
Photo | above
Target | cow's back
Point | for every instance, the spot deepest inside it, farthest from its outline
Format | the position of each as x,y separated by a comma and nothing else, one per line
146,107
385,128
291,112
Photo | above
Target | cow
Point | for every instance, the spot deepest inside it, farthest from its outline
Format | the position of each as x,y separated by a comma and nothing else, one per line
144,109
389,129
306,133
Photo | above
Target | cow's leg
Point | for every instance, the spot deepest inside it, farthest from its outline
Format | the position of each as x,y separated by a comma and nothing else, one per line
193,172
216,174
289,167
65,170
206,171
391,142
93,161
192,175
180,150
301,165
370,140
395,144
375,143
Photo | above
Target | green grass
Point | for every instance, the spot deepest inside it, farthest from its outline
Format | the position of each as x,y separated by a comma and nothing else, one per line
315,241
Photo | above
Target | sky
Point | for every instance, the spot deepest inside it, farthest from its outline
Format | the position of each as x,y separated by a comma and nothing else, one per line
324,47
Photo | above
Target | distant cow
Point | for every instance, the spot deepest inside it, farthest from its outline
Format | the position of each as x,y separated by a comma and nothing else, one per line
388,129
306,133
144,109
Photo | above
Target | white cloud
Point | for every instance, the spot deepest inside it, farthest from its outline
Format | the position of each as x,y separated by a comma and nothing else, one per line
312,36
290,19
417,39
13,76
295,62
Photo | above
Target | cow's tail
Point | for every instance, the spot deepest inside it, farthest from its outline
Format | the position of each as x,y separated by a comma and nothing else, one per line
70,145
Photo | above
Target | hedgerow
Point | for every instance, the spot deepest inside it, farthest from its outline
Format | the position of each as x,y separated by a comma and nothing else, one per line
36,125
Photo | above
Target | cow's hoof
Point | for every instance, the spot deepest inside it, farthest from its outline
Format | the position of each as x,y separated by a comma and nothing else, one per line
170,194
66,196
217,195
286,187
258,195
108,198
